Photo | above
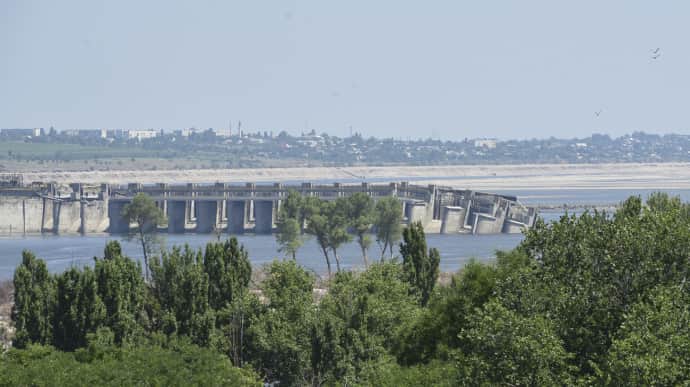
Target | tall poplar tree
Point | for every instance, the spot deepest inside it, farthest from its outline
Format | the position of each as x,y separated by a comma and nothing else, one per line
419,264
388,223
145,213
34,297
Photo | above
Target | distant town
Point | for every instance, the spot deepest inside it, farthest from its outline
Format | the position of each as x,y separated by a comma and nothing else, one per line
197,148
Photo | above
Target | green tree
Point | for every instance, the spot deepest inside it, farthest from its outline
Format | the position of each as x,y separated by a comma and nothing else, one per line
170,364
434,334
652,347
234,328
420,266
144,212
280,335
386,372
317,225
388,223
180,285
289,228
229,271
501,347
590,269
78,308
292,206
310,206
34,299
289,236
359,321
663,202
122,289
336,226
361,214
112,250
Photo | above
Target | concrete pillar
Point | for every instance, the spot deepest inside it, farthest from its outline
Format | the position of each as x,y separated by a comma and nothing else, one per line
30,211
118,224
192,210
264,216
105,191
207,216
47,224
69,217
223,211
177,216
452,220
393,189
486,224
76,191
416,212
511,226
236,216
500,213
94,216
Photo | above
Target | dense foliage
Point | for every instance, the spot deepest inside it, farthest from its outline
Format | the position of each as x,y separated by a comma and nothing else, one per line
420,265
333,223
591,299
170,363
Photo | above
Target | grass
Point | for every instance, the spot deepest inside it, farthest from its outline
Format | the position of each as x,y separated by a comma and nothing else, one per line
48,151
19,156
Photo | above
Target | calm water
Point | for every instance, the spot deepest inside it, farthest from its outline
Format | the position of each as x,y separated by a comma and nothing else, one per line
61,252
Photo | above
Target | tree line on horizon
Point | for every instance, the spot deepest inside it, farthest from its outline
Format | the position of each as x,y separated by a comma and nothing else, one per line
592,299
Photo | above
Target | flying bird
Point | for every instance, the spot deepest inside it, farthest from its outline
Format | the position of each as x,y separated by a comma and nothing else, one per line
655,51
598,112
656,56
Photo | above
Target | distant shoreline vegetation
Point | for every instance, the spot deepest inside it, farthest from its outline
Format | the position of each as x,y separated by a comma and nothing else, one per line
590,299
207,149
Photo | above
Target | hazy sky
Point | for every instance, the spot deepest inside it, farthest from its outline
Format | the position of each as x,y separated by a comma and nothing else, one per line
448,69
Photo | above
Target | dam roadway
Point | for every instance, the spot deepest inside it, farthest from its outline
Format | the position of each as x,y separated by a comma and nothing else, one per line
235,208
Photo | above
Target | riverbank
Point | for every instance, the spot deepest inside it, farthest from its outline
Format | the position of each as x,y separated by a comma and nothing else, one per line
477,177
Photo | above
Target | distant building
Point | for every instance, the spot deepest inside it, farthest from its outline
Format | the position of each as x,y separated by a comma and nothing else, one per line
141,134
485,143
22,133
186,132
86,133
130,134
116,133
223,132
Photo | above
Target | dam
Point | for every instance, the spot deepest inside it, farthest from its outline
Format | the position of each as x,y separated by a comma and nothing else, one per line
77,208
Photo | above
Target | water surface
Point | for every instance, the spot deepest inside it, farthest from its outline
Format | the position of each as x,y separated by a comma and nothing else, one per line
61,252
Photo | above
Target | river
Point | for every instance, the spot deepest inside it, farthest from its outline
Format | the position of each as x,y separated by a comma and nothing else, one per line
61,252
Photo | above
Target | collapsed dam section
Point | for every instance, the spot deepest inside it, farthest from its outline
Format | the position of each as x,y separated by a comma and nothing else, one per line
204,208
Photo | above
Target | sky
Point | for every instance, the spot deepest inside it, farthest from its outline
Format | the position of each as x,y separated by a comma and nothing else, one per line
386,68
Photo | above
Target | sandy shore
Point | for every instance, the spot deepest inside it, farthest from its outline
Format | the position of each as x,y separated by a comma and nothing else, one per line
478,177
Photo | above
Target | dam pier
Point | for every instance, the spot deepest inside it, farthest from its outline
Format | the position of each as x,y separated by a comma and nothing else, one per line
205,208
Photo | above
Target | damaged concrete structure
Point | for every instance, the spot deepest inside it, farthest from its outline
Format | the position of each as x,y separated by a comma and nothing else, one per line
206,208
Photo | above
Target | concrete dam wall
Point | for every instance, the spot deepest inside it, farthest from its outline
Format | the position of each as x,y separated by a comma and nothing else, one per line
235,209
